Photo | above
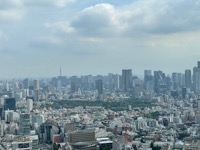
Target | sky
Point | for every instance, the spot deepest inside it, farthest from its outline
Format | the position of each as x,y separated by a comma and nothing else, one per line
97,36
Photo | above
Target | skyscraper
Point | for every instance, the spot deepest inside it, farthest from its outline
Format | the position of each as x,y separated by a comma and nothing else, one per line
188,78
148,78
99,86
127,82
26,83
36,90
198,64
159,79
36,85
176,80
74,86
196,80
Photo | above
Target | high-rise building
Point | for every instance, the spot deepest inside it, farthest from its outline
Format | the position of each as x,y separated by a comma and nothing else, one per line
196,80
127,81
24,124
99,86
188,78
29,104
198,64
159,81
47,130
74,86
37,119
36,95
109,84
176,80
148,80
116,81
10,103
26,83
36,85
2,128
36,90
184,92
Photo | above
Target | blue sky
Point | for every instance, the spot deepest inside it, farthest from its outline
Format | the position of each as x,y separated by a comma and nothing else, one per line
97,36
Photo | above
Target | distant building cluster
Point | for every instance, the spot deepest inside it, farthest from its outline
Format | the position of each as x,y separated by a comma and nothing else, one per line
107,87
28,120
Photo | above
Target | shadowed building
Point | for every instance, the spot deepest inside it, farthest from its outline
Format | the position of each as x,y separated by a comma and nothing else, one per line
10,103
127,81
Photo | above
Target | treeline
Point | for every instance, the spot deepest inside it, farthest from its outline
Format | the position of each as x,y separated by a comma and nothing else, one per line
115,105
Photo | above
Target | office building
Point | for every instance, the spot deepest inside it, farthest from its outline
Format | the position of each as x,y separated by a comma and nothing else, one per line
184,92
104,143
26,86
196,80
82,140
36,85
148,80
29,105
47,130
36,95
99,87
116,81
198,64
35,142
188,79
22,143
81,136
159,81
9,115
127,81
37,119
10,103
24,124
36,90
74,83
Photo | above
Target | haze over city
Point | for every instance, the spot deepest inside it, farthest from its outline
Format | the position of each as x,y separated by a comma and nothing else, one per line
99,75
97,37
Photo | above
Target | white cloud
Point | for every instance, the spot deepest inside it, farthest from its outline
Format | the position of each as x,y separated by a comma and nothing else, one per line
141,17
11,15
99,20
61,26
143,34
11,10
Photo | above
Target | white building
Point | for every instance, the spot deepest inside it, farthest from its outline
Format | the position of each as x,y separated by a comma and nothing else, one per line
22,143
35,142
2,127
30,105
24,124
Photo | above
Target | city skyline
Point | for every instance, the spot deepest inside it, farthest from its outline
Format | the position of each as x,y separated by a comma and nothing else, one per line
119,72
97,37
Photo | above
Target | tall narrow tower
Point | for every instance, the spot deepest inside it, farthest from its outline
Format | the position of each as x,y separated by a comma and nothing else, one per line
127,81
60,71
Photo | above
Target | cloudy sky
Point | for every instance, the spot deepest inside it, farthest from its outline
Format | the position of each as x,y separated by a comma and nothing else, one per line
97,36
